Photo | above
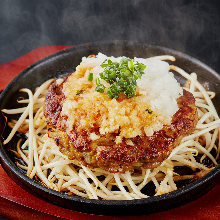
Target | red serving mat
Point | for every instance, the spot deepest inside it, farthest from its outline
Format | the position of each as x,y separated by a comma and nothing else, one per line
16,203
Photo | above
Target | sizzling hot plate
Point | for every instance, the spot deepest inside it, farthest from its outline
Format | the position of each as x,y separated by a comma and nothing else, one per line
65,62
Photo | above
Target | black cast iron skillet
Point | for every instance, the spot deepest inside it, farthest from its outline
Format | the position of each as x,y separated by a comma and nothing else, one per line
65,62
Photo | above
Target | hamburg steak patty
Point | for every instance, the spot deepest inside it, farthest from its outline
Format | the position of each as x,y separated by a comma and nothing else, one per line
140,151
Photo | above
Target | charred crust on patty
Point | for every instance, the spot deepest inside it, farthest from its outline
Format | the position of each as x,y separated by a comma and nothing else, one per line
53,102
80,141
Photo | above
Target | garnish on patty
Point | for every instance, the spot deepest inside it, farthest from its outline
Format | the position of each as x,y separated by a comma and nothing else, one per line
121,76
90,77
149,111
78,92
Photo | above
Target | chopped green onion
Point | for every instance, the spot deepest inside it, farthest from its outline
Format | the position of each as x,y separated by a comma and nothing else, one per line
100,88
97,81
90,76
149,111
79,91
121,76
130,64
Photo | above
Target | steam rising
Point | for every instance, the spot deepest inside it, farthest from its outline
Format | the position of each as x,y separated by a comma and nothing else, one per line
188,26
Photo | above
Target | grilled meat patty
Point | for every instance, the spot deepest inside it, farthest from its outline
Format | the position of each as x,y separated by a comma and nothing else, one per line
145,151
